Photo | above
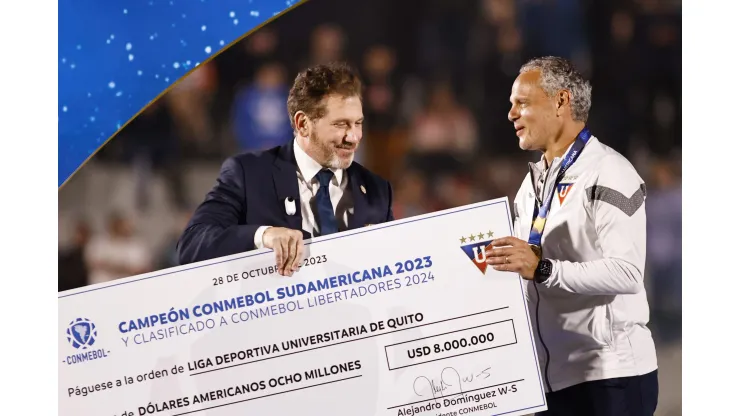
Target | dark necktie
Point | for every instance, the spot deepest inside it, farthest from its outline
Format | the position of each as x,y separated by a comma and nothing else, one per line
327,220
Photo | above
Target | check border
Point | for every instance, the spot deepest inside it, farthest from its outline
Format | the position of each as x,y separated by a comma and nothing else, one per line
504,200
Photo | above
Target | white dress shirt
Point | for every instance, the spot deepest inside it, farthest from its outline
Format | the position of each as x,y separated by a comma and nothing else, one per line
308,186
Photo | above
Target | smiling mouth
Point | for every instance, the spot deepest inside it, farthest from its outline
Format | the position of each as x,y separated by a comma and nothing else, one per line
345,150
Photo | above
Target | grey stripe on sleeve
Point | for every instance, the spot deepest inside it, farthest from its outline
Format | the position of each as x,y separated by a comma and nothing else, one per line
627,205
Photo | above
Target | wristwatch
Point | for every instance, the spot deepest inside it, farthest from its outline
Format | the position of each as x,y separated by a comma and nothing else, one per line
543,271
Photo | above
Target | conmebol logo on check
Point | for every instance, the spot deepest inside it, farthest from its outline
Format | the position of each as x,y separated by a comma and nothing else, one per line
474,246
81,333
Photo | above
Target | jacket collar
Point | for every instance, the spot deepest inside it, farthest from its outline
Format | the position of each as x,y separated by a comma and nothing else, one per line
538,171
286,184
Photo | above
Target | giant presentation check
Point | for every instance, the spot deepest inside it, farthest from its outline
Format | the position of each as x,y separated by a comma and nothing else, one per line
402,318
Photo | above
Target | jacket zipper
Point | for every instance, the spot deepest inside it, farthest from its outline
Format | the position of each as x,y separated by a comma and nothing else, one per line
538,204
539,334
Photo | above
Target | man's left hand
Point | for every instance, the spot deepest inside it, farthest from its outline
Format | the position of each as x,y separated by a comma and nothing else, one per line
511,254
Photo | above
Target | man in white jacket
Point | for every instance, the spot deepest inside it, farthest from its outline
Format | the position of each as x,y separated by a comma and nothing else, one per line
579,242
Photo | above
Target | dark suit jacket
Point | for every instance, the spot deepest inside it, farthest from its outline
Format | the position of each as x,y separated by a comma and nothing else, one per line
250,192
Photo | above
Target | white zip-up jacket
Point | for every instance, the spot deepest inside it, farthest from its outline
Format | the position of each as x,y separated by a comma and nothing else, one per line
589,318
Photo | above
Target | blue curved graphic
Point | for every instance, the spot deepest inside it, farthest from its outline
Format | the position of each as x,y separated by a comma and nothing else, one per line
117,56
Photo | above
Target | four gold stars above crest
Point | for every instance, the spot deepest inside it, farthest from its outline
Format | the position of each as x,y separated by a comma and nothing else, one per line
472,237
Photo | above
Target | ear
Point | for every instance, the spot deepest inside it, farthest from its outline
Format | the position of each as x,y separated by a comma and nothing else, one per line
302,123
563,101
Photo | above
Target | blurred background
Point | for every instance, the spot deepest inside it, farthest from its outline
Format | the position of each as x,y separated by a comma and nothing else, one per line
438,75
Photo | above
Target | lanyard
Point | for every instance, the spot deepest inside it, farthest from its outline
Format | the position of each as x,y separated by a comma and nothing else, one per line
538,225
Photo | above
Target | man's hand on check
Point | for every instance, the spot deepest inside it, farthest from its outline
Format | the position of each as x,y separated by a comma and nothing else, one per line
288,247
511,254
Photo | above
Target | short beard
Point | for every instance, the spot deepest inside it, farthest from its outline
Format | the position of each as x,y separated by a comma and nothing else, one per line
326,154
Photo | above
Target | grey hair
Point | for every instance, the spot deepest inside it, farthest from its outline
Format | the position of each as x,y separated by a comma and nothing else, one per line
558,74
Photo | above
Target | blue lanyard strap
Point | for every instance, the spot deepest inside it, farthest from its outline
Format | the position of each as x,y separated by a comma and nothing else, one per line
538,225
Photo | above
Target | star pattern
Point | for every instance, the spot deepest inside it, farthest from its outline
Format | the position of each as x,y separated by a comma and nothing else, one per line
476,237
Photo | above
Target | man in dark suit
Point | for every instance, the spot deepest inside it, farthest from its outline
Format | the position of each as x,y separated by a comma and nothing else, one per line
308,187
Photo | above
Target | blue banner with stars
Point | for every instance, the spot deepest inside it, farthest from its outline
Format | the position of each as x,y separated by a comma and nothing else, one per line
115,57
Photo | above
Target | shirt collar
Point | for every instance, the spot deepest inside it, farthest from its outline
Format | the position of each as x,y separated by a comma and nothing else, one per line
309,167
538,170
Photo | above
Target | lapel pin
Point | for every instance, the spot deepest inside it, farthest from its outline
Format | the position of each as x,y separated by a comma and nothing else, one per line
362,188
290,206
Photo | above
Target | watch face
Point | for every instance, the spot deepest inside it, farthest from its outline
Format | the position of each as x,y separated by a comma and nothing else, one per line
546,268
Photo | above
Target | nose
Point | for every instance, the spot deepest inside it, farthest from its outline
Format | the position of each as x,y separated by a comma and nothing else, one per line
353,135
513,114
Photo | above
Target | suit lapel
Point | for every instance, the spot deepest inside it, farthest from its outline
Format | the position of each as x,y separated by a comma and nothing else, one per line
286,184
359,199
